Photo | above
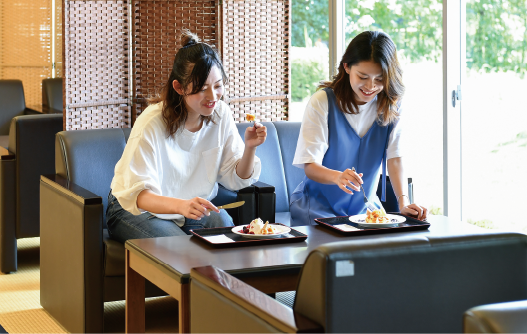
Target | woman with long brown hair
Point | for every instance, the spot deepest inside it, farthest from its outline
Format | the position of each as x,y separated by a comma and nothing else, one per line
351,127
180,147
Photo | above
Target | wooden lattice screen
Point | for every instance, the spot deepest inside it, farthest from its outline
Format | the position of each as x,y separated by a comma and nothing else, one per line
156,27
25,44
255,49
96,64
102,89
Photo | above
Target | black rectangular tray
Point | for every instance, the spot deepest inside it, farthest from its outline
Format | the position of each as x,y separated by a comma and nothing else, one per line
411,224
292,236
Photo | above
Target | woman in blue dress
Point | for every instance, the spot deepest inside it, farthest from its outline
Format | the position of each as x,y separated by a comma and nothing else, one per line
350,130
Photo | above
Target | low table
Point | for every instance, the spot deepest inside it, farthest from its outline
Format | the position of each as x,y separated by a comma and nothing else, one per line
167,261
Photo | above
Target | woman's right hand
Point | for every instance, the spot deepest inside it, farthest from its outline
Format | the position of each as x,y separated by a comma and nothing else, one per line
196,208
349,179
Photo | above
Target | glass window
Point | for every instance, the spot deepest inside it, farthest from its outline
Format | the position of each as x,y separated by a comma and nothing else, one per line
494,121
416,28
309,52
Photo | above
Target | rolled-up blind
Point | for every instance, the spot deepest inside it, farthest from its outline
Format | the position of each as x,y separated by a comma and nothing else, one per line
26,44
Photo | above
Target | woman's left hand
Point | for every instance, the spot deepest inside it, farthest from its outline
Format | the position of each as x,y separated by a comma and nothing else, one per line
255,135
415,210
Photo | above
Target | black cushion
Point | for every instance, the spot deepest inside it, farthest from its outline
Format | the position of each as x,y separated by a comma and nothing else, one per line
12,103
52,93
114,253
288,135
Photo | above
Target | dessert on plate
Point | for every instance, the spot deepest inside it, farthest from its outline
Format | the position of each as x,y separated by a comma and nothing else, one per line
258,227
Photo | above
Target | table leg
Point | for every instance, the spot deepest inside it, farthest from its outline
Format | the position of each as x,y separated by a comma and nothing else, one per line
135,299
184,309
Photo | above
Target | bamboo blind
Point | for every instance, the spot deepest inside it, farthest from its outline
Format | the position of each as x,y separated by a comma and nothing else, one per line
255,45
25,44
58,39
156,27
96,64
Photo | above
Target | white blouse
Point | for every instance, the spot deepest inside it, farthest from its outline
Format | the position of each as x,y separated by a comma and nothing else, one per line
314,138
184,166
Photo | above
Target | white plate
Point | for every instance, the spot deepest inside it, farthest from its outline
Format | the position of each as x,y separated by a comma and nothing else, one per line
361,220
281,228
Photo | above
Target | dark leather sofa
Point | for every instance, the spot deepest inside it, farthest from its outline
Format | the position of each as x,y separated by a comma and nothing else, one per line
80,266
73,206
414,284
29,153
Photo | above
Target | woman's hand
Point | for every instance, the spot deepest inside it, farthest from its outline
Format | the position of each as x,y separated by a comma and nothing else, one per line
414,210
255,135
349,179
196,208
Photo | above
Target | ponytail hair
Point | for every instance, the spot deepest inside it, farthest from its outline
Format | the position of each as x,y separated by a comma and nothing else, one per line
192,65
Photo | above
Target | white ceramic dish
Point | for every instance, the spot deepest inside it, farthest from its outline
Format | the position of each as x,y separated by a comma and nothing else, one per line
281,228
361,220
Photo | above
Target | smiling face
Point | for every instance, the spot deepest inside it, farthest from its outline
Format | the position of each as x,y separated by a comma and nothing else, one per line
365,80
203,102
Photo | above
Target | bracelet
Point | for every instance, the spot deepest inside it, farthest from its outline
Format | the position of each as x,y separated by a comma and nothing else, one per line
402,196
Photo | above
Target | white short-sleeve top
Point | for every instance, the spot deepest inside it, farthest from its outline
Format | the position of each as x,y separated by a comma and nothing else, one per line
313,138
184,166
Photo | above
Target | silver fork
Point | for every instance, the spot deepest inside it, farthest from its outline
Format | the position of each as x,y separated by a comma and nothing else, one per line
369,205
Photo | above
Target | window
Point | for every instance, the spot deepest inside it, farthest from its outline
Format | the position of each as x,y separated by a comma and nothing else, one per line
494,122
309,52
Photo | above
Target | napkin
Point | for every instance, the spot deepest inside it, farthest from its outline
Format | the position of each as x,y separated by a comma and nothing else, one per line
346,227
218,239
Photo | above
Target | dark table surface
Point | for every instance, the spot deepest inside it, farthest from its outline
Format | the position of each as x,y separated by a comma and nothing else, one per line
180,254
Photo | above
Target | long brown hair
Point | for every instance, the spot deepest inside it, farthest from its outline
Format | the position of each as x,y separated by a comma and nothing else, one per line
192,65
378,47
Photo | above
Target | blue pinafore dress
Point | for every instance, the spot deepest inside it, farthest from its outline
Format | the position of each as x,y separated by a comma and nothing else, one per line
312,200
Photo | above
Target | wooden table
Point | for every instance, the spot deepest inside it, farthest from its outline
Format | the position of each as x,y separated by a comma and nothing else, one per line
166,262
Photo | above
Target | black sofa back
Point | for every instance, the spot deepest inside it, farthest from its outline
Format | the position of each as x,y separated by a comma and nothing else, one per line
12,103
52,93
410,284
88,158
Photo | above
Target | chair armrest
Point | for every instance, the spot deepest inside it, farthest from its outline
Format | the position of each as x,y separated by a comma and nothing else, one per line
8,250
266,201
252,308
5,154
71,254
509,317
243,214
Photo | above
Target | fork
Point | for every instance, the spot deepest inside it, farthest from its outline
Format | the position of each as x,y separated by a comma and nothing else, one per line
369,205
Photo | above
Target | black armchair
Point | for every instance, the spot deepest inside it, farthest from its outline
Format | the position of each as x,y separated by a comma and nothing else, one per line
12,103
406,285
30,153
